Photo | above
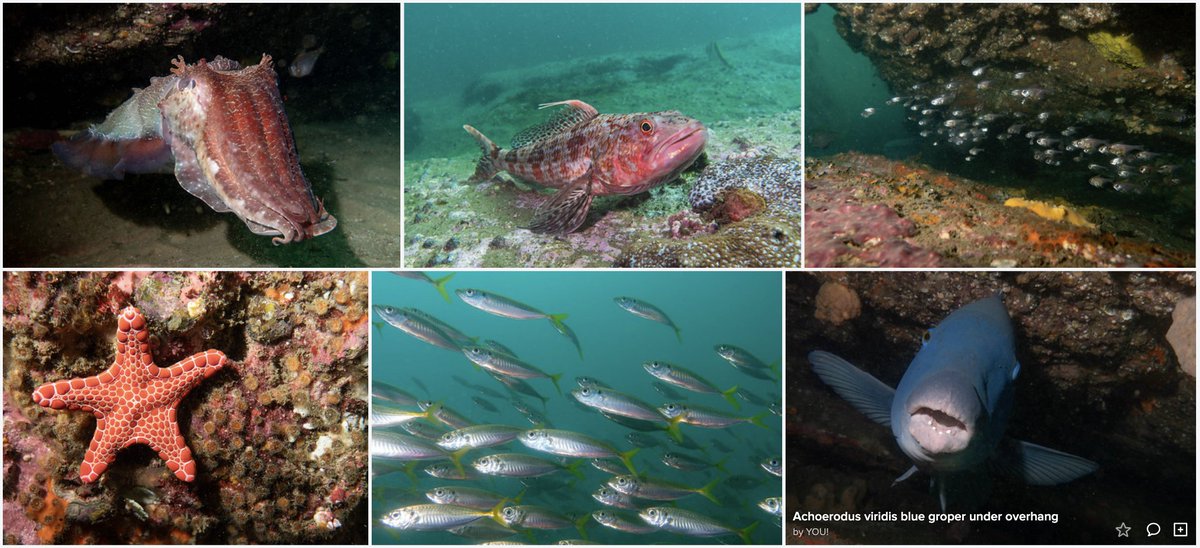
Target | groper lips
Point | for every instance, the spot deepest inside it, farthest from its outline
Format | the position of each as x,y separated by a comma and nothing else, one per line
942,414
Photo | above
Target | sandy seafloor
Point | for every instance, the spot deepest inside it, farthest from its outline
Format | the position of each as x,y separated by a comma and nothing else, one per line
56,216
751,108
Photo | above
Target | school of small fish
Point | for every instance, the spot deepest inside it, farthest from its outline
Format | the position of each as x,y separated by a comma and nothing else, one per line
699,463
951,114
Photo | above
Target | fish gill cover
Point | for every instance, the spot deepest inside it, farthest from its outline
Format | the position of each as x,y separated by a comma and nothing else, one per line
953,109
718,463
1106,377
733,69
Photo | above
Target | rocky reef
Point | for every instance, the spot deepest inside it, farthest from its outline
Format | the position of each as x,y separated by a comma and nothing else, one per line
865,210
1085,54
278,434
1098,378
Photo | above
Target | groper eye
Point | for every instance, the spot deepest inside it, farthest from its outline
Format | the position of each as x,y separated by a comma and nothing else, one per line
647,127
928,335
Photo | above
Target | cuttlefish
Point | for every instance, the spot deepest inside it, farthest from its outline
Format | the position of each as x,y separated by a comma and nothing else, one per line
222,129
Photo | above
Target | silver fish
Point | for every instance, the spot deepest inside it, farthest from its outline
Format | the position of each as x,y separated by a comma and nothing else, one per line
611,497
746,362
303,64
478,436
707,418
683,378
517,465
385,391
432,517
418,326
387,415
461,495
437,283
565,443
643,309
773,466
645,487
622,521
695,524
508,366
402,447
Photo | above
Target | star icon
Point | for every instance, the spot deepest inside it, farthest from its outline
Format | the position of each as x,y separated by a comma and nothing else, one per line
1123,530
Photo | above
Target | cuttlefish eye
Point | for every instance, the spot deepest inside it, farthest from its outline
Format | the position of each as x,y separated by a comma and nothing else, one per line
647,127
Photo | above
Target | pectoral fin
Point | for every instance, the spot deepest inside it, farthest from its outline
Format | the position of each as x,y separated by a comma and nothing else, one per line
865,393
1038,465
566,210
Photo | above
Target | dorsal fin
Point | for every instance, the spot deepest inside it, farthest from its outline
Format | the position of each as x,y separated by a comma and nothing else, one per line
577,112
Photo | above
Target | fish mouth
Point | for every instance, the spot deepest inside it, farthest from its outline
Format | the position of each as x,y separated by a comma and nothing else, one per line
686,144
942,414
938,431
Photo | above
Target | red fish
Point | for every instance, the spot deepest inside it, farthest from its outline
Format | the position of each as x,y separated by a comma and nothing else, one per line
586,154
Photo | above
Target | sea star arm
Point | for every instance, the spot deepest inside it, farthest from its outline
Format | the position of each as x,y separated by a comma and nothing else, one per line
104,446
158,429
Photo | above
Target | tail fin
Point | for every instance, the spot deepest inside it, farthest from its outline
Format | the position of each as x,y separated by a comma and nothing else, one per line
729,397
745,533
557,321
440,284
627,458
554,379
706,491
757,420
573,468
678,332
581,524
774,367
456,458
410,471
485,169
673,430
720,465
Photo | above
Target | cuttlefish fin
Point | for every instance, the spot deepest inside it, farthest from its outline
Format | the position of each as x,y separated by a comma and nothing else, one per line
865,393
566,210
109,158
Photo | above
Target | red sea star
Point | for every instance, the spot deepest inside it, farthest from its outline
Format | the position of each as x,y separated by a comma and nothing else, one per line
134,400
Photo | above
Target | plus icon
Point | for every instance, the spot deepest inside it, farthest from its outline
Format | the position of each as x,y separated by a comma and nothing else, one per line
1180,529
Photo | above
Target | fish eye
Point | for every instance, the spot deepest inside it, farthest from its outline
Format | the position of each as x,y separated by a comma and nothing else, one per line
439,492
652,511
647,127
926,336
778,235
